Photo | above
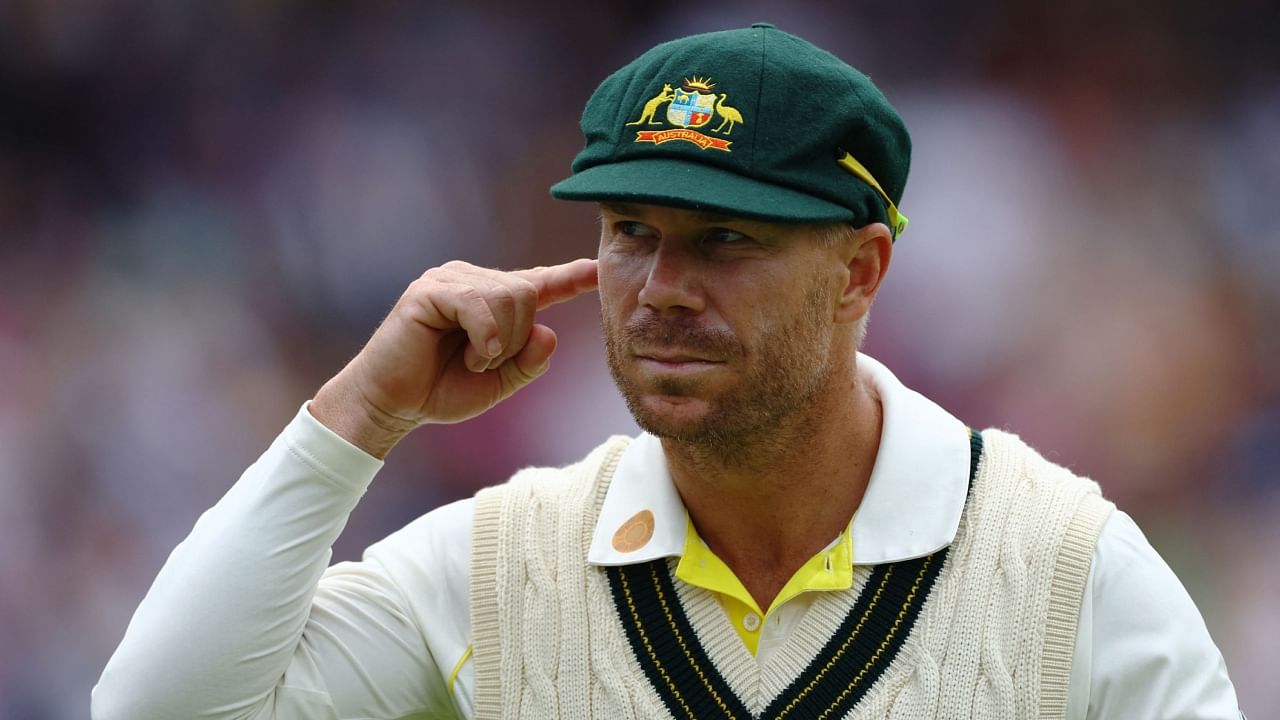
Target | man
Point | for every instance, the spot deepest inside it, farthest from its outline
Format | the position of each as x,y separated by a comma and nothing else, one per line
795,535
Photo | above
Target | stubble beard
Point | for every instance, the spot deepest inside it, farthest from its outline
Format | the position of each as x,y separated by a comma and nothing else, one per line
771,402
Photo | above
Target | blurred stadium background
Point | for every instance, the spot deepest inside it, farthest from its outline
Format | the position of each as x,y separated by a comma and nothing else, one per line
206,207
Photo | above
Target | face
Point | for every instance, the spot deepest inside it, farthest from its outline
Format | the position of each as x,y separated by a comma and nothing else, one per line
717,328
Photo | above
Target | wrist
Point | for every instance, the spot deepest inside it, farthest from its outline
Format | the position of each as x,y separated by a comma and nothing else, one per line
350,417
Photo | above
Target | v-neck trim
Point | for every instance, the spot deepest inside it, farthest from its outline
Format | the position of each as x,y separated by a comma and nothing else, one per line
685,644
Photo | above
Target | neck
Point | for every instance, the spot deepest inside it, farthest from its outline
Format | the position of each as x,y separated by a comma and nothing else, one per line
775,500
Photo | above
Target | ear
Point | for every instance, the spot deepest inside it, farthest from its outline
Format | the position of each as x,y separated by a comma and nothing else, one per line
866,255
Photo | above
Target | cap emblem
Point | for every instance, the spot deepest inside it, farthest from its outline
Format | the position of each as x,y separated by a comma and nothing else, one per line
692,105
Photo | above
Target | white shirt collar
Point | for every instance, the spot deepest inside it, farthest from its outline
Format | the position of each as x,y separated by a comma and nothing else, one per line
911,508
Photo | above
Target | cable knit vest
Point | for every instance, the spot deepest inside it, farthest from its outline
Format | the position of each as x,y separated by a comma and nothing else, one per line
982,629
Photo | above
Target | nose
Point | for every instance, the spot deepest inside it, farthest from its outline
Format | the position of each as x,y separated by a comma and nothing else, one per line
672,285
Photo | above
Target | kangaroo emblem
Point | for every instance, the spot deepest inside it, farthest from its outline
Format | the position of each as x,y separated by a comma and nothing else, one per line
691,105
730,114
651,107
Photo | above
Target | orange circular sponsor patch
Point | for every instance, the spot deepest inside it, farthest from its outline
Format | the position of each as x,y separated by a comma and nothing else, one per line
635,533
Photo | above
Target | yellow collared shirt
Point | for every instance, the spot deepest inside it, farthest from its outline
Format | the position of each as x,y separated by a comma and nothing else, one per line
829,569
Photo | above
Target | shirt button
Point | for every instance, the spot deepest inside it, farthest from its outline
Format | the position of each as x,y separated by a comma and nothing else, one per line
751,622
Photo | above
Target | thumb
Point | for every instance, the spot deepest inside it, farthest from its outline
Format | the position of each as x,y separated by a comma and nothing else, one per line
531,362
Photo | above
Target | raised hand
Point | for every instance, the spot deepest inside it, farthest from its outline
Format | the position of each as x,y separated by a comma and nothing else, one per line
460,339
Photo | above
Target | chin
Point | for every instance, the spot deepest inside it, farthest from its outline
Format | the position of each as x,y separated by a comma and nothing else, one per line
669,406
671,416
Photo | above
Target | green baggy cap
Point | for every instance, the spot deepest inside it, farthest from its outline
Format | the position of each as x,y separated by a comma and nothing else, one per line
754,123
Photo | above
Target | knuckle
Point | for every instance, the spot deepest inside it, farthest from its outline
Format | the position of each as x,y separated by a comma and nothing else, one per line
525,292
433,274
502,300
418,289
428,282
502,294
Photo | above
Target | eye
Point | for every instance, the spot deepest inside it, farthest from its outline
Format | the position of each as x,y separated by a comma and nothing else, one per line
723,237
633,229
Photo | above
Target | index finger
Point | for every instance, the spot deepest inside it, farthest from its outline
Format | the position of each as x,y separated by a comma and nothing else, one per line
558,283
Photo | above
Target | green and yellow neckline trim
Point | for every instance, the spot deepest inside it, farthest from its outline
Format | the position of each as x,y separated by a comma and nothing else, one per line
690,685
856,655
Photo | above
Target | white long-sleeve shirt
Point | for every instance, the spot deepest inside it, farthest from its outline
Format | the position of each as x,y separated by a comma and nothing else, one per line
245,621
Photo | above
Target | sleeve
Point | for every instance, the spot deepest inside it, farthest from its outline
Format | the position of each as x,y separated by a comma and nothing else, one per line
244,621
1143,645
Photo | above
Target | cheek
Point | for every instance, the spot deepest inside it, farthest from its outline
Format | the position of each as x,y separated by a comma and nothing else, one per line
618,287
794,315
755,301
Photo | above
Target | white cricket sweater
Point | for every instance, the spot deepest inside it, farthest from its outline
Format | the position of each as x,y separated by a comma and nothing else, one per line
982,629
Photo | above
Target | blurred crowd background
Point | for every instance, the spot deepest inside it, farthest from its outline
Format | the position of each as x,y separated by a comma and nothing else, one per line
206,207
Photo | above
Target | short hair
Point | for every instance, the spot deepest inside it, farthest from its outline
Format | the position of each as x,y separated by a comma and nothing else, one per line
831,235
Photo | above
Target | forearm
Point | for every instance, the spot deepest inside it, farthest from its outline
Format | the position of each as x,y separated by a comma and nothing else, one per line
222,621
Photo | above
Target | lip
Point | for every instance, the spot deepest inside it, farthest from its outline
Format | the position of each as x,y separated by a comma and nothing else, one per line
674,357
675,363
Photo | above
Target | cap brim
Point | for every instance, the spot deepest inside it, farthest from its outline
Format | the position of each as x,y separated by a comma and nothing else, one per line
680,183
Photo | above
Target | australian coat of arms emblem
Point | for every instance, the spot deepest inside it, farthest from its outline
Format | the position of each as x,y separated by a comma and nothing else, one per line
692,105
